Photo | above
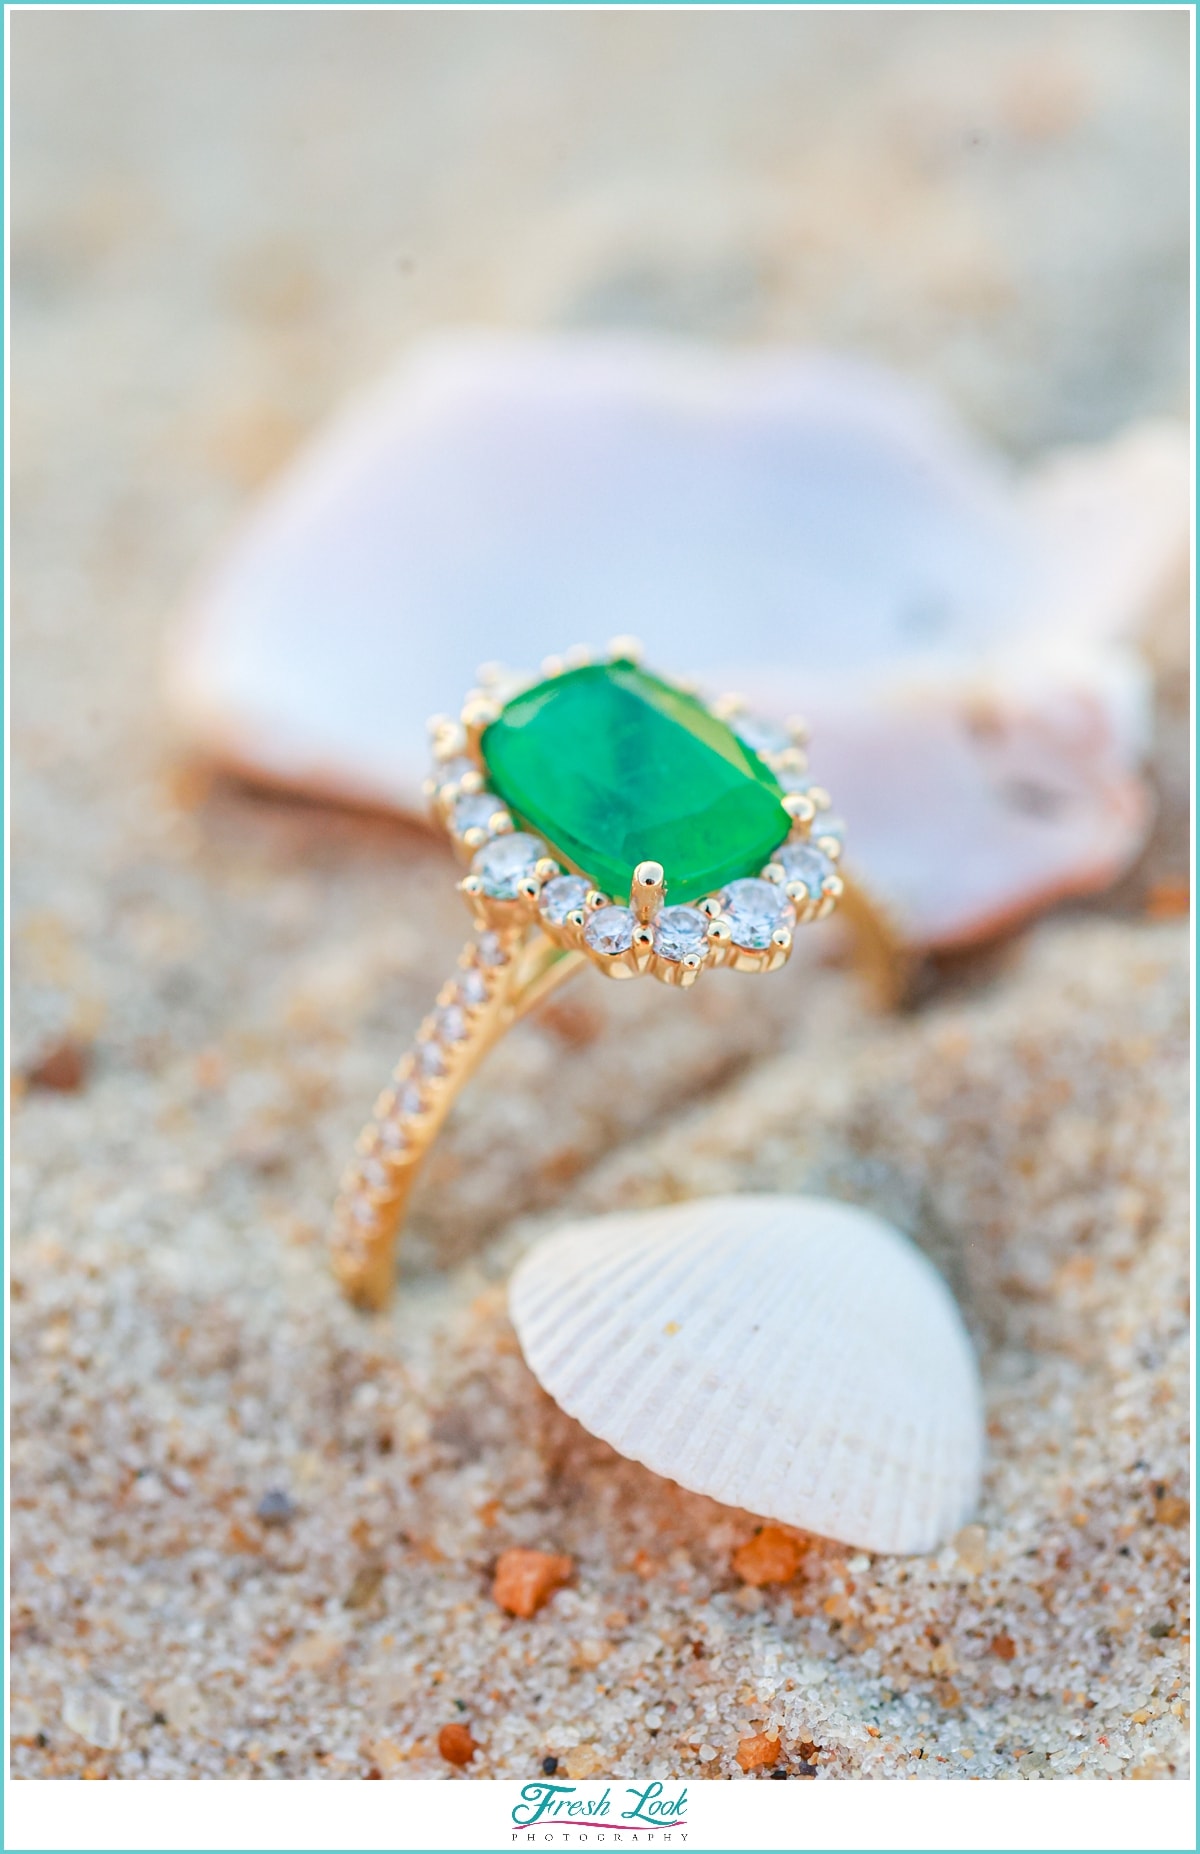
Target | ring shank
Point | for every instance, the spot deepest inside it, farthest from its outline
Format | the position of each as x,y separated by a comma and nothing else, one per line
501,977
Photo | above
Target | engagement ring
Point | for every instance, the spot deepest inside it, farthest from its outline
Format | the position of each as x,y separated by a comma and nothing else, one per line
607,817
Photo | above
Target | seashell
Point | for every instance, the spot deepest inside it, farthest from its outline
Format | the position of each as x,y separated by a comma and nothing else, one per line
794,1356
503,497
1008,791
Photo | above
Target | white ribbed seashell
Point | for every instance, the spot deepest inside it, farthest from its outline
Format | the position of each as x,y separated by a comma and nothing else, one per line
794,1356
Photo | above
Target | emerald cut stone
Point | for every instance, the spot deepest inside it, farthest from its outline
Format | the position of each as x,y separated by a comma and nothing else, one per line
614,767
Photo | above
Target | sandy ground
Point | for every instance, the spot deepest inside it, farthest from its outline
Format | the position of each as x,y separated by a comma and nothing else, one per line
221,224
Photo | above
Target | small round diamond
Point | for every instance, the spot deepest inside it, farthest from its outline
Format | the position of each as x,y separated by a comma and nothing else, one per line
680,931
504,863
610,930
472,987
561,895
409,1099
451,1023
826,825
790,780
804,862
393,1135
761,736
475,811
449,772
430,1059
754,909
491,950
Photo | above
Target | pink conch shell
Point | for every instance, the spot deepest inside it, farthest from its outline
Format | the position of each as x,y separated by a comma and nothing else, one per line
808,528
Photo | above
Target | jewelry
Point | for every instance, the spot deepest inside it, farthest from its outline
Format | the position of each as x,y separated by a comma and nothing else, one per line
581,801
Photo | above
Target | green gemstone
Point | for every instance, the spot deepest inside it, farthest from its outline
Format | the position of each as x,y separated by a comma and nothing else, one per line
614,767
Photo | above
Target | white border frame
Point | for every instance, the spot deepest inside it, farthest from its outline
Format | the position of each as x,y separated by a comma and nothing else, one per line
464,1814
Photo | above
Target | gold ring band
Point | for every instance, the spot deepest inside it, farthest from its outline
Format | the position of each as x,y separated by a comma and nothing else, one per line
502,974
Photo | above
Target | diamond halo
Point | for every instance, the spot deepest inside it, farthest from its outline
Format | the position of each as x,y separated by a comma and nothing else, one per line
521,872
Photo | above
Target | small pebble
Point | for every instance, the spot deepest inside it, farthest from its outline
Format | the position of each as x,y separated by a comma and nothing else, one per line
1172,1510
772,1556
758,1752
363,1587
62,1068
94,1715
581,1762
456,1744
591,1652
525,1580
275,1508
318,1651
179,1704
549,1766
970,1545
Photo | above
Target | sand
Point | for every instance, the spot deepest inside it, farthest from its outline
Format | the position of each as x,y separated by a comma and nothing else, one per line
234,974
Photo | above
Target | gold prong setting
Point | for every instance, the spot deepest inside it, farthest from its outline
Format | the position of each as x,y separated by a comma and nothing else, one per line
646,891
514,879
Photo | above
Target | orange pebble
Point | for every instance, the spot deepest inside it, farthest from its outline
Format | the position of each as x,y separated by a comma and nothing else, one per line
1169,899
63,1067
772,1556
1172,1510
527,1579
456,1744
758,1753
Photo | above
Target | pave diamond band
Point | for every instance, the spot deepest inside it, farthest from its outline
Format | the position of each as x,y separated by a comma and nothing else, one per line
500,977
